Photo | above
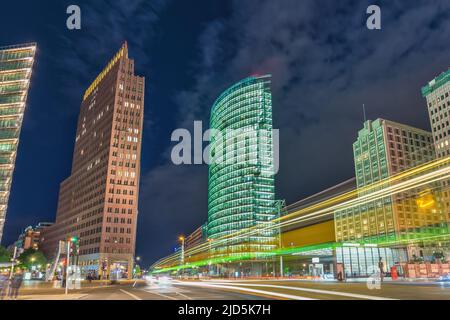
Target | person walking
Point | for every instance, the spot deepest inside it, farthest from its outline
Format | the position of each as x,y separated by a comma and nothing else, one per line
381,267
16,283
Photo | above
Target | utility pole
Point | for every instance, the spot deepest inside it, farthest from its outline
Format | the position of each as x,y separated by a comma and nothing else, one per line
12,263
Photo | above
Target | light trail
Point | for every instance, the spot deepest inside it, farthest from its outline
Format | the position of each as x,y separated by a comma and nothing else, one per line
318,291
248,290
329,206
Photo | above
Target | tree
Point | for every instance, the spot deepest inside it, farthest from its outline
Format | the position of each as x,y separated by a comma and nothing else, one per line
32,257
137,271
5,255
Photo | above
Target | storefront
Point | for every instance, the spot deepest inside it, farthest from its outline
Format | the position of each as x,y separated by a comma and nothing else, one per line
363,260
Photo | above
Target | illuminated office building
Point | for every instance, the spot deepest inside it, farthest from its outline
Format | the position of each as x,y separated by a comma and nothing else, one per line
98,203
384,149
437,94
241,191
16,63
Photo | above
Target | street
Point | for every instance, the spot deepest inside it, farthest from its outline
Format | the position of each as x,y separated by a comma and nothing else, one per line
243,290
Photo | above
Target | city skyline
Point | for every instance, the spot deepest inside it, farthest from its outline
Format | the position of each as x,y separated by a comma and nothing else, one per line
398,92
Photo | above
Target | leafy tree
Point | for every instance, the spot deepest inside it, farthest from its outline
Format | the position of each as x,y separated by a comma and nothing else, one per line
137,270
5,255
32,257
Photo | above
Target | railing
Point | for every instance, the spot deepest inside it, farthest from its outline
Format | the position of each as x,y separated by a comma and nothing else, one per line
19,46
11,99
10,66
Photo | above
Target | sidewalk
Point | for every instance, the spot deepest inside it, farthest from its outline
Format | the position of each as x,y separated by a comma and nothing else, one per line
53,297
398,281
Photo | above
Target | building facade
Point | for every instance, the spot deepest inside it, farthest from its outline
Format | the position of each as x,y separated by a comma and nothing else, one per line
437,94
30,238
98,203
16,65
241,190
197,237
391,224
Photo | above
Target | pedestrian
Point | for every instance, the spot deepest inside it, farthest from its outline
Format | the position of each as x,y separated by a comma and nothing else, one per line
3,286
381,267
16,283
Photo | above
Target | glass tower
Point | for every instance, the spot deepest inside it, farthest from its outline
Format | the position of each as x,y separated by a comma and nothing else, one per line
241,191
16,64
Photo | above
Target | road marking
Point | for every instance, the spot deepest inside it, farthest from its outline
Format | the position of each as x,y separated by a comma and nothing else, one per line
263,292
161,295
184,296
135,297
350,295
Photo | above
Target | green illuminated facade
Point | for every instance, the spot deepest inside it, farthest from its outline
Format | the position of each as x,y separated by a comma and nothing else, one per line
383,149
16,64
241,191
394,227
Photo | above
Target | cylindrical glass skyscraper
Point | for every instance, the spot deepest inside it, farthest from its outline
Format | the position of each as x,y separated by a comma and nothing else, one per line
241,191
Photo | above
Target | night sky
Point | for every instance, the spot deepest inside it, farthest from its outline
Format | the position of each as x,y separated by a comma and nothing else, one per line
324,61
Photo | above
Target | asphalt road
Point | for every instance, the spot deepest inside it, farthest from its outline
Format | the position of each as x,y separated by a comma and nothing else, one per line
245,290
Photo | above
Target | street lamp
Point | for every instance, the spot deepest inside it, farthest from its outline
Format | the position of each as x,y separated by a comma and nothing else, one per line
181,238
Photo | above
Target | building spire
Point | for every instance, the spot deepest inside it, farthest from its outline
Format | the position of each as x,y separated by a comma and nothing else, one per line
364,112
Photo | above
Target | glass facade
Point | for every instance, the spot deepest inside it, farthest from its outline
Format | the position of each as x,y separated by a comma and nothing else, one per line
241,191
363,261
16,64
437,94
384,149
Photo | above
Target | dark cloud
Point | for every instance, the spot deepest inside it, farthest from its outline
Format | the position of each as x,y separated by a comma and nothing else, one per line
325,65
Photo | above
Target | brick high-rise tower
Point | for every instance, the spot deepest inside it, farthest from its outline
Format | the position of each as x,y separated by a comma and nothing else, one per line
99,201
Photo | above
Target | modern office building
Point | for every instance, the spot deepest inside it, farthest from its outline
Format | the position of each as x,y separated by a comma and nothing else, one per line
241,191
197,237
391,226
437,94
16,64
98,203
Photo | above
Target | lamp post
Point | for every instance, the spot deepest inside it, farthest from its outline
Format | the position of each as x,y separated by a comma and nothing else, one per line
181,238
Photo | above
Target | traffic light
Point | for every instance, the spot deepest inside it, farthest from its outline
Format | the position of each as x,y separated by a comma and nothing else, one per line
74,245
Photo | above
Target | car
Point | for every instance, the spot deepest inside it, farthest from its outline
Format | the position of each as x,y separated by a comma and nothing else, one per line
444,278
